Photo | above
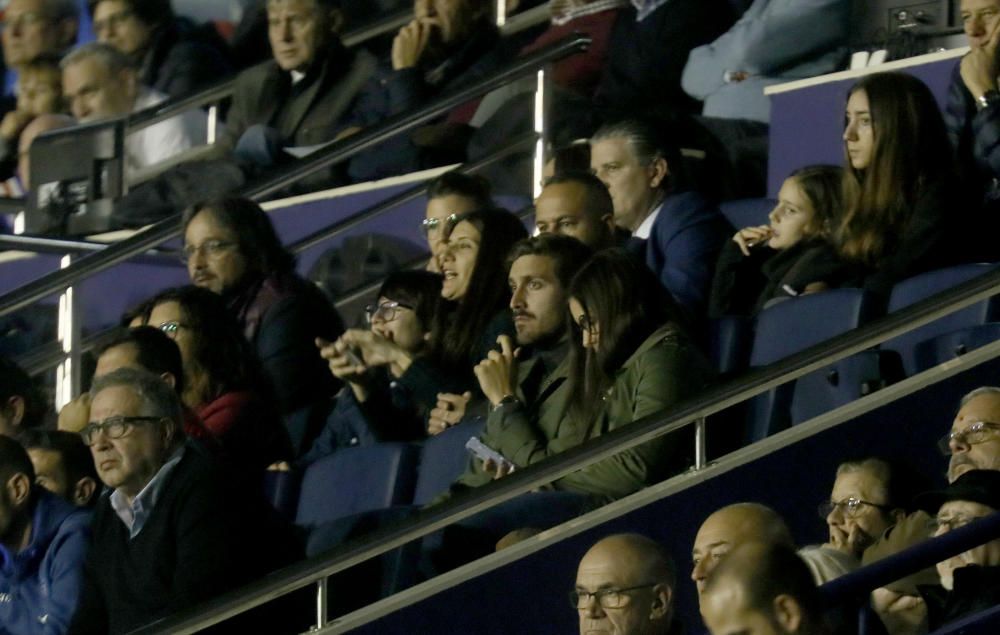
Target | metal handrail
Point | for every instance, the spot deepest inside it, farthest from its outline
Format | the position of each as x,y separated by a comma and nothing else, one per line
691,411
63,246
168,228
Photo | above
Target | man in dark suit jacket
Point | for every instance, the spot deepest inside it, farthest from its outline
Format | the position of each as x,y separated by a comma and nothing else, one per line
306,95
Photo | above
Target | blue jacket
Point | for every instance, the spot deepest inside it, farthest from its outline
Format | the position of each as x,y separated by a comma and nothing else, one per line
975,135
39,585
684,246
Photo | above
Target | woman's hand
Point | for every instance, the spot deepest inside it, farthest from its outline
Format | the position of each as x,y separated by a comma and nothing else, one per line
375,350
751,237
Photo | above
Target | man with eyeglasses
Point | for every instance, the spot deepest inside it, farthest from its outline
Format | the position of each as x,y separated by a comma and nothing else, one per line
43,544
625,586
171,530
970,581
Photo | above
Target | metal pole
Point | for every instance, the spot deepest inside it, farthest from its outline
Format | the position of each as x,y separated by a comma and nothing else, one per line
501,13
321,603
213,122
700,454
542,91
68,377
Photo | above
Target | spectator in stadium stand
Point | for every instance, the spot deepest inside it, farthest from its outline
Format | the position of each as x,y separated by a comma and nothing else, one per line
630,357
762,588
232,250
447,44
39,92
577,204
223,382
171,529
174,56
742,523
904,210
972,114
474,315
973,443
306,95
970,581
648,48
99,82
32,29
683,231
22,404
43,544
792,255
63,465
448,196
373,407
774,41
147,348
527,391
625,585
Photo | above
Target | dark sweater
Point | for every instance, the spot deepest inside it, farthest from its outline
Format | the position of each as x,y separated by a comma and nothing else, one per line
203,537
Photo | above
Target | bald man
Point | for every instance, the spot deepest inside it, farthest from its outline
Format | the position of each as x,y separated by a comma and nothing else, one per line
765,589
741,523
625,586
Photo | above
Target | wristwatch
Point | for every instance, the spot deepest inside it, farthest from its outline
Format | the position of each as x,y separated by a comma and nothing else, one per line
509,402
988,99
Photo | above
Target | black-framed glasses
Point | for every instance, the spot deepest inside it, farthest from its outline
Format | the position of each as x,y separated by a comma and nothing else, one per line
606,598
433,225
851,507
114,427
978,432
211,249
386,311
170,328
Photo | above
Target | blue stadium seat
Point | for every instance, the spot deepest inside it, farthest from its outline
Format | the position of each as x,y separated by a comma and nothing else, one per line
842,382
729,343
443,458
789,327
281,489
745,212
942,348
358,479
925,285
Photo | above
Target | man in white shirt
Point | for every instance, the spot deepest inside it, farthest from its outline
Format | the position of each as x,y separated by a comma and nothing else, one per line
100,83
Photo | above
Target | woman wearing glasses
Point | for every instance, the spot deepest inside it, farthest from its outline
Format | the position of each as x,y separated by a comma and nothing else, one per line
630,357
372,408
476,312
231,249
223,382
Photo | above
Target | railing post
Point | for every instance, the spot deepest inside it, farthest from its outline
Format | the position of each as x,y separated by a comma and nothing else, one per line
543,91
321,604
213,122
69,330
700,453
500,13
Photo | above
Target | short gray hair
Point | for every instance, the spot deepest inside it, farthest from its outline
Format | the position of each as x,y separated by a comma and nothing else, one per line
108,56
157,396
982,390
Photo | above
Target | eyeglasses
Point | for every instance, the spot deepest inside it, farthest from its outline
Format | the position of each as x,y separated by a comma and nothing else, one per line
606,598
978,432
170,328
952,523
851,507
114,427
434,225
113,21
211,249
387,311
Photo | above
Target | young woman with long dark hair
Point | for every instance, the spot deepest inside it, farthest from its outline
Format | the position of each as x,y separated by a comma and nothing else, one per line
630,357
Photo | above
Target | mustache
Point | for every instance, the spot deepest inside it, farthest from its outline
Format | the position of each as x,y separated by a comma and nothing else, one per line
523,313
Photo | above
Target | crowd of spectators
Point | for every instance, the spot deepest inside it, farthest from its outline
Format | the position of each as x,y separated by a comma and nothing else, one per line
550,341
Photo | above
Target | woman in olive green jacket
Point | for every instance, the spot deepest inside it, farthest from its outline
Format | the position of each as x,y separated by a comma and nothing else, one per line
630,358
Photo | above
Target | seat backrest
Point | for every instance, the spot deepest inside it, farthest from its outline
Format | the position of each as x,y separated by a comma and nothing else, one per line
925,285
793,325
357,479
948,346
443,458
747,212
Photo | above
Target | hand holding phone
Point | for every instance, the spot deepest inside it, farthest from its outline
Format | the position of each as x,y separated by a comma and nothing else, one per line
487,454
